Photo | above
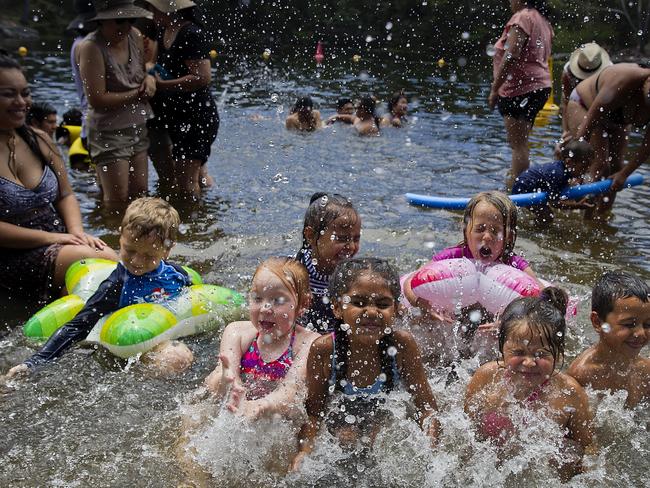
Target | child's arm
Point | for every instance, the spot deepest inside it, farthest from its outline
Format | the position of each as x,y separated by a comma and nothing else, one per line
415,382
318,368
580,421
474,394
285,400
104,301
227,371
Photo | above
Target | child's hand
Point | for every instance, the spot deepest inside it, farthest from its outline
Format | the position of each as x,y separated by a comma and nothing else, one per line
428,310
582,204
18,370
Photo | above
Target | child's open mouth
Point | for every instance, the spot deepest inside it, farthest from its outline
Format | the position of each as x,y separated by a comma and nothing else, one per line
266,325
485,252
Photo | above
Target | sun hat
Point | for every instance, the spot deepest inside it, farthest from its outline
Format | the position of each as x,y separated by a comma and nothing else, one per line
587,60
167,6
85,11
119,9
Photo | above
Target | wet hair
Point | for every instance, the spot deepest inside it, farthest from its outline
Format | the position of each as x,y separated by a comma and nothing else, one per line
616,285
149,216
508,212
394,98
325,208
294,277
544,317
577,150
25,132
7,62
342,102
345,275
302,102
72,117
368,104
39,111
541,6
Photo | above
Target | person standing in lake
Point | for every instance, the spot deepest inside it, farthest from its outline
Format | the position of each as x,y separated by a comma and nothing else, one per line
111,64
522,80
187,120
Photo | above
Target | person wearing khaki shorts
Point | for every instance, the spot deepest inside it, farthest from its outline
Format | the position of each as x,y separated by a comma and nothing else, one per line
118,89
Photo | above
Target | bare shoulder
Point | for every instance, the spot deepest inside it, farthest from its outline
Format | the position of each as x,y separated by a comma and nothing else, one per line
583,368
642,369
487,373
323,345
570,386
240,326
305,337
87,47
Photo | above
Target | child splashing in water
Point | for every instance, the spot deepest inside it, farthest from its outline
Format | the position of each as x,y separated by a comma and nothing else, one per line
331,233
264,369
531,342
363,358
489,235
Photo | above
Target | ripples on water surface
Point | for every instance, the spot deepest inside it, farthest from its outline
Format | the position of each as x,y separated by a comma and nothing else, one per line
88,420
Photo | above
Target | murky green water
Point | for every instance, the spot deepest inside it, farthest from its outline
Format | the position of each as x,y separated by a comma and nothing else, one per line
88,421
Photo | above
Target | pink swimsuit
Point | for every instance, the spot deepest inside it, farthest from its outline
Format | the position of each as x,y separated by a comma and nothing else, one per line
254,368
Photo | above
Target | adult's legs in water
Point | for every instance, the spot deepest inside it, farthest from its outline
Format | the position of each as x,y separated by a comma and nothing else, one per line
517,131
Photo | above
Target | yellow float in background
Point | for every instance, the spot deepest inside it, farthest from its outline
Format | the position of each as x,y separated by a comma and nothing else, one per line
22,51
550,109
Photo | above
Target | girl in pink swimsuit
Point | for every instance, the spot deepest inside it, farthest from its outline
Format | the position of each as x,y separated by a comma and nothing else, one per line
262,367
531,343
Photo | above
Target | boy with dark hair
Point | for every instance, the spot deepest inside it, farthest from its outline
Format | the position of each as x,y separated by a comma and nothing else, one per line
42,116
620,314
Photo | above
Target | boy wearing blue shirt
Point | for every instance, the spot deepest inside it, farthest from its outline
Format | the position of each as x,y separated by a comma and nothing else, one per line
553,178
147,235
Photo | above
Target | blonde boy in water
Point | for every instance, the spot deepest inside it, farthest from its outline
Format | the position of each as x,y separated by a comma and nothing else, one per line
620,314
147,236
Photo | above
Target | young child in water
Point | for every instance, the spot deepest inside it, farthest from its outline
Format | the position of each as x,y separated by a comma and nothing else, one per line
331,233
366,121
397,109
552,178
303,117
262,362
620,314
363,358
147,235
531,342
489,235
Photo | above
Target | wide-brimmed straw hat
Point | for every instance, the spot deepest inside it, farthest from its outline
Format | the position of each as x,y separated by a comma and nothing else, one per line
167,6
85,11
119,9
588,60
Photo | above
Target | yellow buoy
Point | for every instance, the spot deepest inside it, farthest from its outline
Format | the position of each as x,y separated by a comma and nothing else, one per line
550,109
213,53
356,58
22,50
266,54
441,63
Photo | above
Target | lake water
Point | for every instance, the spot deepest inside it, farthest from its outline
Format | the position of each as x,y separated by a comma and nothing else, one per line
89,420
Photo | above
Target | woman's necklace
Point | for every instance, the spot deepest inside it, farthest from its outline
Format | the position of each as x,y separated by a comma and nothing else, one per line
11,162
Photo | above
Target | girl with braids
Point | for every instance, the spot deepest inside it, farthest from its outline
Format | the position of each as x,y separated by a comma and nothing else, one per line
331,233
41,233
532,332
363,358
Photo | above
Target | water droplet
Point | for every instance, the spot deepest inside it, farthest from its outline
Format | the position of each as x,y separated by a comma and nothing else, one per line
182,229
524,102
465,35
345,327
274,97
490,50
462,62
350,419
389,25
391,351
475,316
369,39
586,18
267,338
